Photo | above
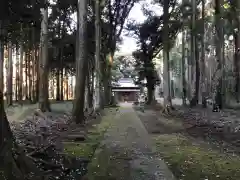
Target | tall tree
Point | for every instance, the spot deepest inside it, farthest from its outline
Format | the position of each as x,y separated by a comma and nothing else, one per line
1,56
236,9
203,69
20,90
184,91
10,75
166,73
194,60
97,102
44,104
219,43
81,58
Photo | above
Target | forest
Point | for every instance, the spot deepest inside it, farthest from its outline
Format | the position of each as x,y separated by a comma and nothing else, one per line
58,62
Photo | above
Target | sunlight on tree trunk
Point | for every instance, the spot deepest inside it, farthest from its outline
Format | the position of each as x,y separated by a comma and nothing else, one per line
20,89
26,74
1,58
9,76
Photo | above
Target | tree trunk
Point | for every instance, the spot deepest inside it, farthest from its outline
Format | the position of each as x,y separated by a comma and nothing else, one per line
8,166
91,89
218,80
237,51
203,74
166,72
34,67
30,72
97,102
20,90
58,85
184,91
44,70
78,106
86,104
150,93
17,74
1,59
14,162
33,92
107,84
236,68
26,75
61,87
66,76
197,78
71,89
9,76
193,61
88,87
37,74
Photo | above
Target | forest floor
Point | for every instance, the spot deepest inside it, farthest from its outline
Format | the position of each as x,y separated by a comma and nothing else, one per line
196,143
60,148
113,145
128,144
19,113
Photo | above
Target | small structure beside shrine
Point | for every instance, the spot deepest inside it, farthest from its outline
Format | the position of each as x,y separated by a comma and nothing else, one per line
125,90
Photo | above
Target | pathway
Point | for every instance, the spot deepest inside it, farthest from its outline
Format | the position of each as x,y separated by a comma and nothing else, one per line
130,151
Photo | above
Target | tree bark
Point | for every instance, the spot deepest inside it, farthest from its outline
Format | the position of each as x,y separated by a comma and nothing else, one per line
9,76
193,61
30,74
1,58
37,75
184,91
20,90
14,162
91,89
78,106
34,75
237,51
107,84
62,83
97,102
166,73
219,40
44,69
203,69
58,84
26,75
17,74
66,80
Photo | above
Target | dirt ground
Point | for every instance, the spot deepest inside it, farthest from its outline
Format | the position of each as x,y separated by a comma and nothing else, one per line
191,151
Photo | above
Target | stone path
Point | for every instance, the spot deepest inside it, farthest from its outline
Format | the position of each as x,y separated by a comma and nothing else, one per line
128,141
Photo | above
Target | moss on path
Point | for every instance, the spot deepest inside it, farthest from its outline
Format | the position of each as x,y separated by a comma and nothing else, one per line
126,152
